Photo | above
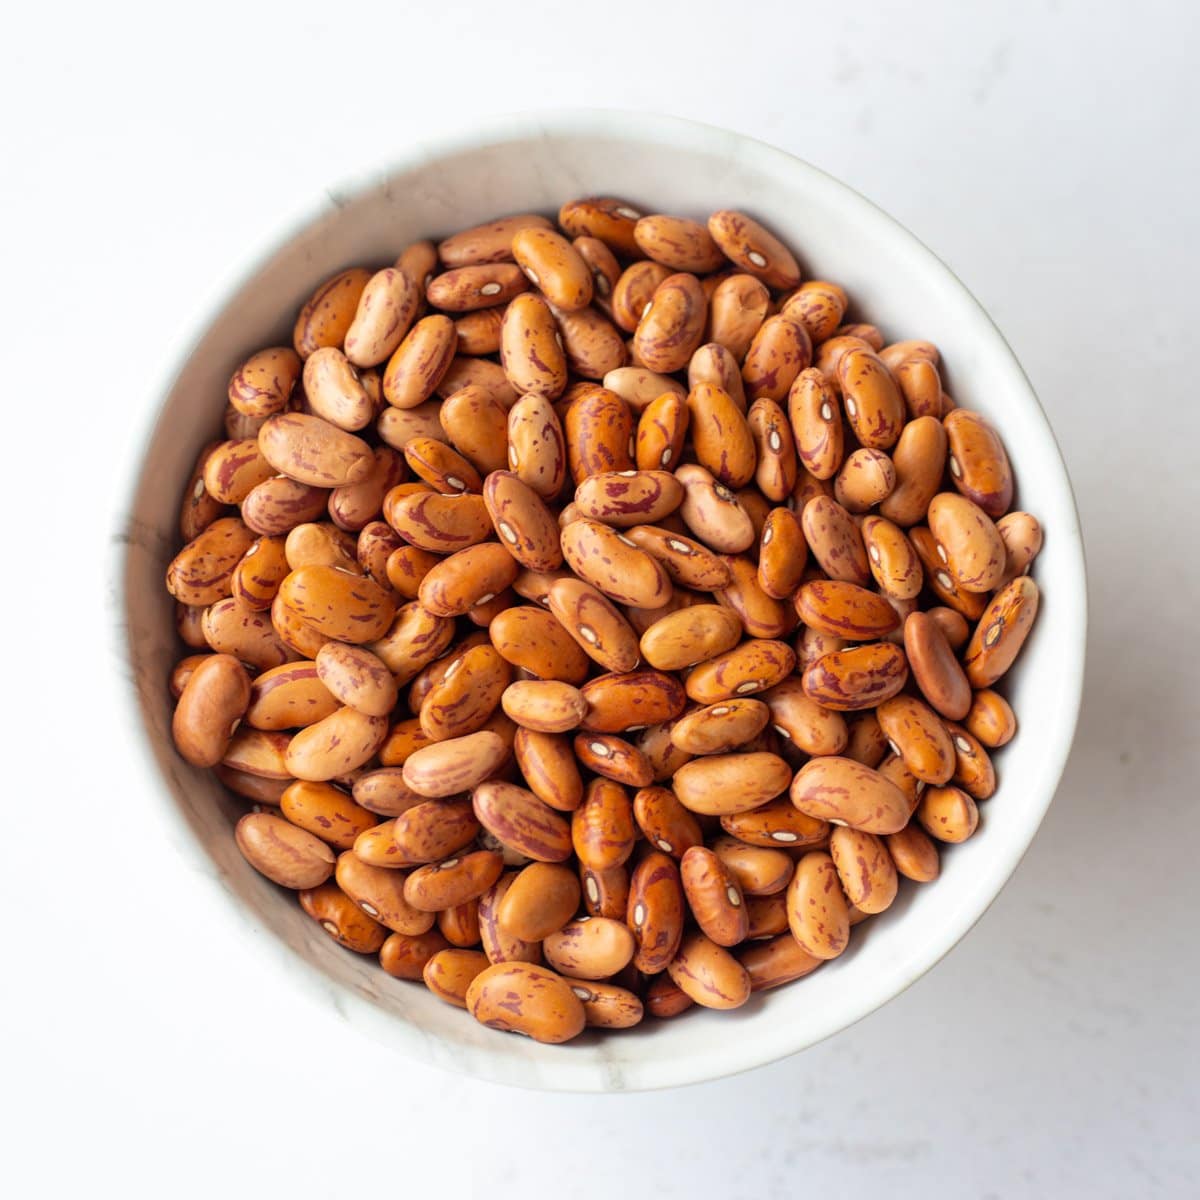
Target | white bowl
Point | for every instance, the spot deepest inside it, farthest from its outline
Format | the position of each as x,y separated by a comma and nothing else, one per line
537,162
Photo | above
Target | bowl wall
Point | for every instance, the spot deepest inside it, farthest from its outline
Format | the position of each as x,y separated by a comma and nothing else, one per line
659,165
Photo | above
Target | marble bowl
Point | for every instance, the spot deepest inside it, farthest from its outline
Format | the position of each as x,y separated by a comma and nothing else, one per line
536,162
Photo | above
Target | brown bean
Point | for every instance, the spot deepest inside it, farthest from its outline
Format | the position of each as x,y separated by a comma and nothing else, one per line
460,925
614,758
453,880
709,974
501,944
536,449
678,243
211,705
873,404
664,999
781,349
540,900
595,625
721,437
438,523
602,827
856,678
948,814
554,266
386,309
915,855
229,627
990,719
634,290
420,362
835,541
604,268
279,504
845,610
815,415
714,897
864,869
524,998
525,525
661,429
549,768
844,792
689,636
731,783
313,451
919,459
383,791
475,422
487,243
713,513
1022,537
342,919
671,326
531,349
456,765
591,948
284,853
817,908
720,728
967,542
782,554
404,956
201,573
618,702
479,285
713,366
264,383
773,963
803,722
655,912
1001,632
334,390
414,639
482,373
232,470
354,506
935,668
357,678
326,812
398,426
767,917
776,823
624,498
737,309
607,1006
329,312
978,464
685,560
939,579
439,466
449,973
751,247
915,733
548,706
614,564
520,821
759,871
921,386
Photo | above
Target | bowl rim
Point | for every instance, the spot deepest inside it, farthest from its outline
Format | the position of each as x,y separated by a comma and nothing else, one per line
719,1058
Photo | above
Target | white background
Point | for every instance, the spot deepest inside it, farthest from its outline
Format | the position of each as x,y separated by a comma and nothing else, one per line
1048,151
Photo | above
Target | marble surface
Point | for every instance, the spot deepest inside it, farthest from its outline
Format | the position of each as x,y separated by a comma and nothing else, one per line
1047,154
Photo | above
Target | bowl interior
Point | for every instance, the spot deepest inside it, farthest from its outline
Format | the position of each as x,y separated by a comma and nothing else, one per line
658,165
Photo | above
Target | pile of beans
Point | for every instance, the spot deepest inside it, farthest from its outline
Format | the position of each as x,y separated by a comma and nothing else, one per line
596,623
